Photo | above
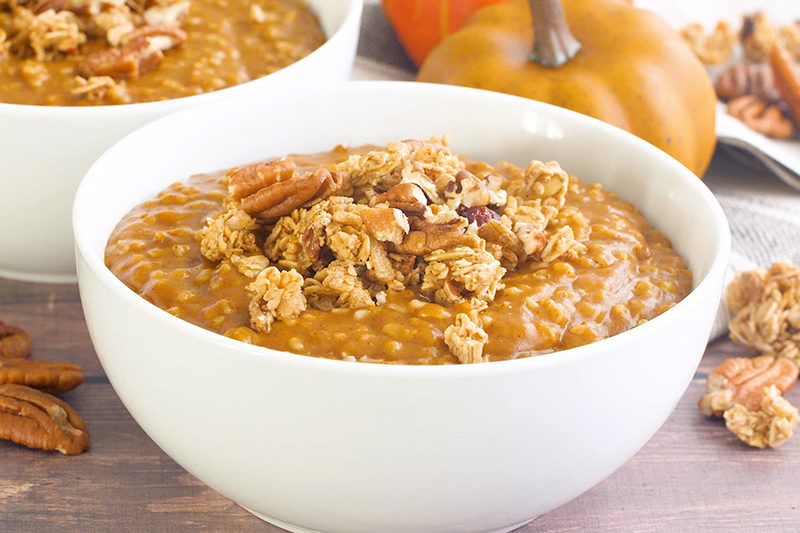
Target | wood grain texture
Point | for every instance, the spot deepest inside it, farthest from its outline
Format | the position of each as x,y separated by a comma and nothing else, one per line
693,475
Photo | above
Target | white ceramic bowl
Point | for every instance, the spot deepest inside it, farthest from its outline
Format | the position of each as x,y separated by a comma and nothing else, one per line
45,150
314,444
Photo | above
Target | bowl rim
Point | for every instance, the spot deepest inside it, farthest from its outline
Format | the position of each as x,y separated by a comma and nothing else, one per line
716,270
352,17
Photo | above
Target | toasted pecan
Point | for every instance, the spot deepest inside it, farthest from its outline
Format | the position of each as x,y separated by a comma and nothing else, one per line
743,379
141,51
14,342
53,378
283,197
761,117
407,197
748,78
247,180
39,420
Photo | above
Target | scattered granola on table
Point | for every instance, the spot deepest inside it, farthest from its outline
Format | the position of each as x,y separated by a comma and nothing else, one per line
747,391
771,424
766,310
406,253
100,52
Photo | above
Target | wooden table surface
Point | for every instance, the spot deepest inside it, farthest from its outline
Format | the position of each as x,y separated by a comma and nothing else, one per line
693,475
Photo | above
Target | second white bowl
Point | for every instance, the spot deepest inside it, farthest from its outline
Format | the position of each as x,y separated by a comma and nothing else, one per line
45,150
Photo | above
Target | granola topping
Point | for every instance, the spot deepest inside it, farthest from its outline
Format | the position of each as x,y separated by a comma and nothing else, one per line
369,245
466,339
406,253
100,52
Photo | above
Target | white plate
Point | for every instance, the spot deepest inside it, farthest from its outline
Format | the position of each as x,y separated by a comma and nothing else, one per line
781,156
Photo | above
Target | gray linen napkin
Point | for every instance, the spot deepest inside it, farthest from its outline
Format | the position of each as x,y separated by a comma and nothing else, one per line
763,212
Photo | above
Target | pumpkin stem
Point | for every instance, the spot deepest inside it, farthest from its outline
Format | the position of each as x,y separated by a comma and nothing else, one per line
553,44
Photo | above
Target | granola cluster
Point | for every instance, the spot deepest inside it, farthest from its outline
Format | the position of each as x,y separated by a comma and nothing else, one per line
756,36
747,391
410,216
769,425
714,47
128,38
766,310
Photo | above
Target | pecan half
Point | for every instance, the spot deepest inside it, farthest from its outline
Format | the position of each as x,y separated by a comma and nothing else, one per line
39,420
742,380
407,197
14,342
511,249
128,61
760,117
142,50
252,178
283,197
426,237
748,78
53,378
385,224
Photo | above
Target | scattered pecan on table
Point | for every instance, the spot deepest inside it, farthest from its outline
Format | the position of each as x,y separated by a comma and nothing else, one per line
762,117
14,342
29,414
39,420
53,378
746,392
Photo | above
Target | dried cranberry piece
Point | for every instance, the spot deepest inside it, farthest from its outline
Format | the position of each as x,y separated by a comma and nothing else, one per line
479,214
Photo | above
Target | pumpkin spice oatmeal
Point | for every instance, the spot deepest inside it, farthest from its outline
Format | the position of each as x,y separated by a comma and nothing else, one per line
96,52
404,254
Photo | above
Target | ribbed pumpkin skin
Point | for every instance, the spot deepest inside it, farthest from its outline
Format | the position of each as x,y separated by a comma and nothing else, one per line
633,71
422,24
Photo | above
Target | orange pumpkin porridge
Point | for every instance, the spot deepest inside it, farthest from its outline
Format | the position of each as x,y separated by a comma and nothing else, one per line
95,52
403,254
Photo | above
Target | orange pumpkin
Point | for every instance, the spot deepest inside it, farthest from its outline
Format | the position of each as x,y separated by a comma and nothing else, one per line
422,24
625,66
